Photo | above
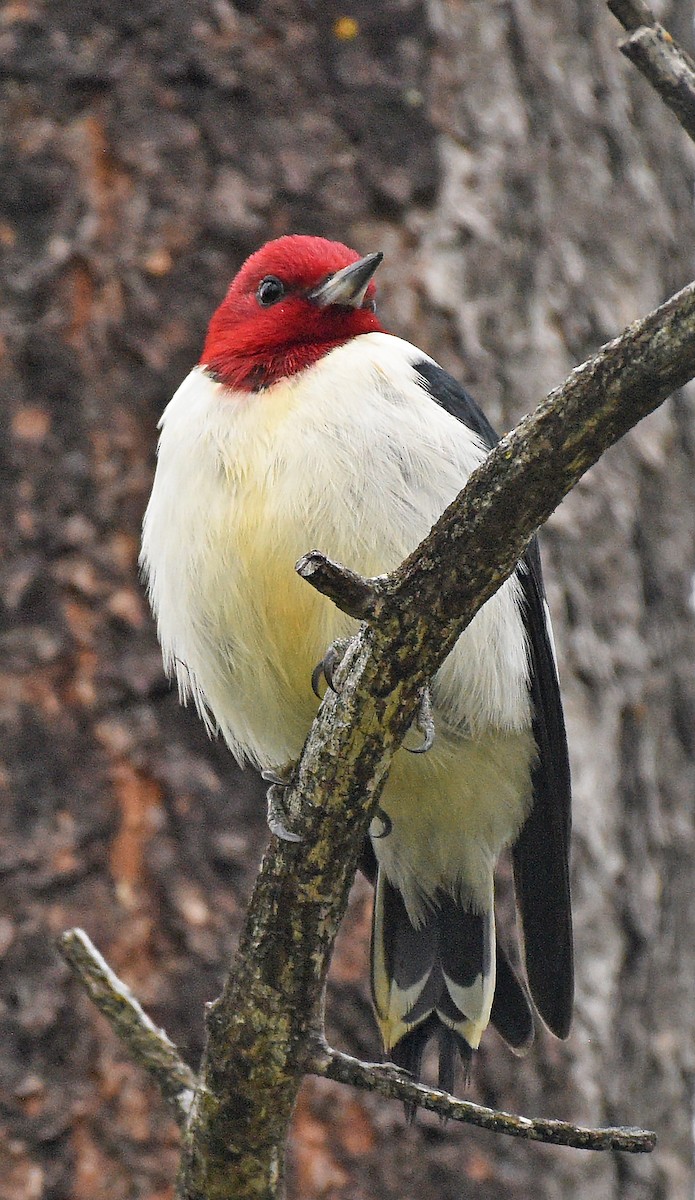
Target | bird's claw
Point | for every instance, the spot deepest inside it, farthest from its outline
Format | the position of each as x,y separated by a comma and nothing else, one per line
386,822
277,812
424,721
276,779
316,675
328,666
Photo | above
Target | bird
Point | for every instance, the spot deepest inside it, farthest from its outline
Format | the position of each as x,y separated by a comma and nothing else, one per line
306,424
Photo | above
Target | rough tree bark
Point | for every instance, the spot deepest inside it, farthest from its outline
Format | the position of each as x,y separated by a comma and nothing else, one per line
532,197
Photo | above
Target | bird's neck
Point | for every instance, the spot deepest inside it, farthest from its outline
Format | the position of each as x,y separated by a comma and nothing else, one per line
252,372
237,358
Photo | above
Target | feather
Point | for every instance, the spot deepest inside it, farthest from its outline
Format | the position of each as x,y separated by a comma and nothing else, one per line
438,977
540,854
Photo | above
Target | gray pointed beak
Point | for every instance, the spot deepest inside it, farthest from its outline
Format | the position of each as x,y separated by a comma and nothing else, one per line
347,287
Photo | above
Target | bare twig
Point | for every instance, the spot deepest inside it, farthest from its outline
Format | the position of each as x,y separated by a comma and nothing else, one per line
375,1077
666,66
149,1046
669,70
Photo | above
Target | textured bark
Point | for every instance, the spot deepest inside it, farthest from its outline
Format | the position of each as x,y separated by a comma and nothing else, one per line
532,197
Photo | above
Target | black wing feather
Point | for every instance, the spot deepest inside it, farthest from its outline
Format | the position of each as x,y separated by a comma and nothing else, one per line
541,854
449,394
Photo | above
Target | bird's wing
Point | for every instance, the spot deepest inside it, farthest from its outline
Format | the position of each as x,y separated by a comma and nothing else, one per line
541,853
449,394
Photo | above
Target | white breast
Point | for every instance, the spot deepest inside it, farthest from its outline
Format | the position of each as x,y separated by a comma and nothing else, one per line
350,457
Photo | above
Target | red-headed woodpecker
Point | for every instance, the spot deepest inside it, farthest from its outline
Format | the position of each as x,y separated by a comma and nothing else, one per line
306,425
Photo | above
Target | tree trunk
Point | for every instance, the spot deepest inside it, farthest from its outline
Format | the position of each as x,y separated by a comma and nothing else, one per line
532,196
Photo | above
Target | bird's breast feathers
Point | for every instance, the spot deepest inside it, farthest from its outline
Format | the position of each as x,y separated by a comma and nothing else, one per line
351,457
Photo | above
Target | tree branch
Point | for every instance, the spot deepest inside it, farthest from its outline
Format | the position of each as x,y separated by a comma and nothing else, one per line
670,71
632,13
260,1029
387,1081
149,1046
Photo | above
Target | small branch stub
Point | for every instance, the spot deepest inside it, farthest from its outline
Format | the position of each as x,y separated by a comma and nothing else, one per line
350,592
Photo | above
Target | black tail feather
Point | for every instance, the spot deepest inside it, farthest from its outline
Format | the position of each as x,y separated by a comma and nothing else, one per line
511,1015
426,984
431,981
409,1051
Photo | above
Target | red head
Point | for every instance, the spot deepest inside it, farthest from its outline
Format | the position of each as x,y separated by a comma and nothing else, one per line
293,300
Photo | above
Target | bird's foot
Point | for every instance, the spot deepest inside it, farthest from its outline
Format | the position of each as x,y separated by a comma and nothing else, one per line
424,721
277,811
328,666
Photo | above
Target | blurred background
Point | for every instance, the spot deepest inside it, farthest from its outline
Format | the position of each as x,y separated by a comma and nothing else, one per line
532,196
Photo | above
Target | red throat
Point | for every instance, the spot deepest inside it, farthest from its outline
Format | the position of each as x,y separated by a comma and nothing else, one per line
249,347
237,359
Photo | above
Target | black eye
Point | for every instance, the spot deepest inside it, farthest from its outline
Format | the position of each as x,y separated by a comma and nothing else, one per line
270,290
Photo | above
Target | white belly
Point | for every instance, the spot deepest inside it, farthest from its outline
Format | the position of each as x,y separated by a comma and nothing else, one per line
245,484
